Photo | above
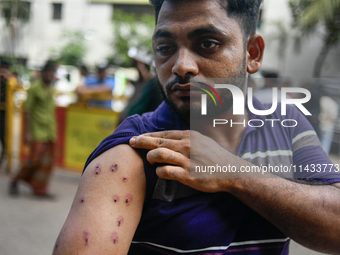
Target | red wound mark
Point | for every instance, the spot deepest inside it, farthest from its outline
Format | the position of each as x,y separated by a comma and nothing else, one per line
128,199
82,199
115,198
120,221
114,237
114,168
97,169
86,236
125,179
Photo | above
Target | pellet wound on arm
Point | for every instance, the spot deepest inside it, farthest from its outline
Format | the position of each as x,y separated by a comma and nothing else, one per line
114,237
86,234
115,198
114,168
120,220
97,169
128,199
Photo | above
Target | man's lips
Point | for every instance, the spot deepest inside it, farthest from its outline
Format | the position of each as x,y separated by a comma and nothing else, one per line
185,90
182,87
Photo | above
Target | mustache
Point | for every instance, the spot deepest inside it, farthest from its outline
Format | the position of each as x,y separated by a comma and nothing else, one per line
177,80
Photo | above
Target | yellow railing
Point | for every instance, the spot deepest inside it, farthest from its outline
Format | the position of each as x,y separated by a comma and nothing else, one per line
9,107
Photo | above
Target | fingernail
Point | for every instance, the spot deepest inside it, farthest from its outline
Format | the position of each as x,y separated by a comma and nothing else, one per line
132,141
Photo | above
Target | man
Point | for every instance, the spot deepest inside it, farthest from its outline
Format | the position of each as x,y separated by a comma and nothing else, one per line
84,73
39,134
100,84
145,201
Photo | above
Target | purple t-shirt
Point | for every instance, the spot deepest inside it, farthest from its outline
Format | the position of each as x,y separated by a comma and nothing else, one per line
179,220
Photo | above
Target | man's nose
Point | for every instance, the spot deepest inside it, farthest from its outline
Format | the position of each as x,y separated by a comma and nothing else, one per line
185,64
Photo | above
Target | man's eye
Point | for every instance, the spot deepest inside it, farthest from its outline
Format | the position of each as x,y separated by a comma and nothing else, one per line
208,45
164,49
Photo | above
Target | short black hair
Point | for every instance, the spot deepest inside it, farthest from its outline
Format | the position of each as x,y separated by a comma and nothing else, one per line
50,65
247,12
84,67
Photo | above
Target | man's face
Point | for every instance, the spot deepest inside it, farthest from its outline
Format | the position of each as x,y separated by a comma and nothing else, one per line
196,39
48,75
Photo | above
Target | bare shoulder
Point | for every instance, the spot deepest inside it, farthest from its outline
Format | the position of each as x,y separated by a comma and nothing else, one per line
107,206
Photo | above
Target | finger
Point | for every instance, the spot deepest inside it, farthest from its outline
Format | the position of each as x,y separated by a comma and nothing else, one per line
150,143
173,173
166,156
172,134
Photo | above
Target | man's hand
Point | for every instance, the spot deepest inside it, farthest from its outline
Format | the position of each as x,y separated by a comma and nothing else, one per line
306,213
178,155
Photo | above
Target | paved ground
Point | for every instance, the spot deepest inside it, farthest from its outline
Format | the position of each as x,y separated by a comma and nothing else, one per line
29,226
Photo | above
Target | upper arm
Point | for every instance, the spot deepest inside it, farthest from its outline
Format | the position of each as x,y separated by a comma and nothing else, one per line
107,206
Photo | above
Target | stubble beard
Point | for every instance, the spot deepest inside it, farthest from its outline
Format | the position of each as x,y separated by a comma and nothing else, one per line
192,110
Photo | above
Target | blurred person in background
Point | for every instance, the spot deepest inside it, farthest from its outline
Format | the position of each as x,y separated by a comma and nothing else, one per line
147,95
39,134
327,117
99,84
84,73
150,98
4,75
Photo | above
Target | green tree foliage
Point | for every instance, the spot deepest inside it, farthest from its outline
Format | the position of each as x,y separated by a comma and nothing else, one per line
308,15
15,14
73,50
130,30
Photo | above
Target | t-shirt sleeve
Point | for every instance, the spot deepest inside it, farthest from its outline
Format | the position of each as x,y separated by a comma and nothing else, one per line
310,161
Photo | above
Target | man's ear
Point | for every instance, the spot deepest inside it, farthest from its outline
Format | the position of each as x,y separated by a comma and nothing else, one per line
255,49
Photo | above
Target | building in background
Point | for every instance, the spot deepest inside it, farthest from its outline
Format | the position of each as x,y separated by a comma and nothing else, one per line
33,38
47,19
279,36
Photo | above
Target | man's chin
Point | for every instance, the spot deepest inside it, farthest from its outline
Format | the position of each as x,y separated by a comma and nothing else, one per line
180,107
